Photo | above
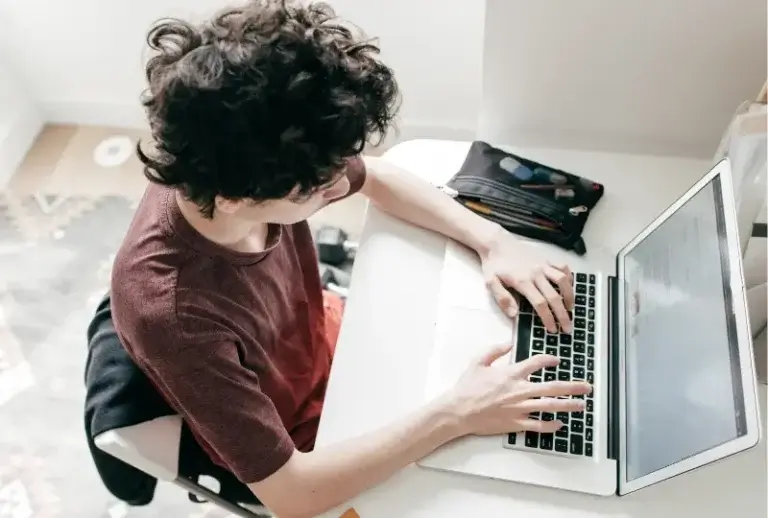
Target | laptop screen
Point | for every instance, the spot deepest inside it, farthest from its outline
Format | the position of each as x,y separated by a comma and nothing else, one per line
683,379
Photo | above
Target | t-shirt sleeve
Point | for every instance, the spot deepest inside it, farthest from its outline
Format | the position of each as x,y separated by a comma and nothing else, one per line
222,401
356,174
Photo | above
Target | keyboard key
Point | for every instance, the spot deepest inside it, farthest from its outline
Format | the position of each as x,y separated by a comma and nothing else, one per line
550,376
591,327
538,346
581,311
538,332
589,419
535,415
591,365
536,378
552,351
591,339
547,416
592,278
591,291
546,441
588,450
564,376
579,323
565,339
511,438
563,417
591,314
579,334
580,300
588,434
561,445
532,439
562,433
581,289
577,445
590,378
591,303
578,347
591,352
565,364
578,373
578,359
581,277
565,352
590,405
551,340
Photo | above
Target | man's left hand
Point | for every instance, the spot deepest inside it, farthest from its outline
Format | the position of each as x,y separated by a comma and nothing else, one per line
510,262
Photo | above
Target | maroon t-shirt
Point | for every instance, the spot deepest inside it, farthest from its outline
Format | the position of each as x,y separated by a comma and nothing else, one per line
236,342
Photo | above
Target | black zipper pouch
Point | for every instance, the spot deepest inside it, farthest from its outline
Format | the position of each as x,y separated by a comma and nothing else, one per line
525,197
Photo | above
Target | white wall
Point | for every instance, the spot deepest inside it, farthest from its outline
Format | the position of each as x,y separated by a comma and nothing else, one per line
20,121
639,76
83,58
642,76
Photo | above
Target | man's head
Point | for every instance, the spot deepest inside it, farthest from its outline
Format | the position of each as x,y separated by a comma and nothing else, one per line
259,110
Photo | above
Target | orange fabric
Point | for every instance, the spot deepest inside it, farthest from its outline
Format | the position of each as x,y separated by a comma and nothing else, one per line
334,310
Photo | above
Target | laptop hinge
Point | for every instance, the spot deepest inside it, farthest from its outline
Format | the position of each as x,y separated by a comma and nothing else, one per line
613,368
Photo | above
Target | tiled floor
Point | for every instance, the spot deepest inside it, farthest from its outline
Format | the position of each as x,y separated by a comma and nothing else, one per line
62,215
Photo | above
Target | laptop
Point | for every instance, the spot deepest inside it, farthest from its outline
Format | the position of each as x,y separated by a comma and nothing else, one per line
662,333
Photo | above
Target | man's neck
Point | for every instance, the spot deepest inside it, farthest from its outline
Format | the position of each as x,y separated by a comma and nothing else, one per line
225,230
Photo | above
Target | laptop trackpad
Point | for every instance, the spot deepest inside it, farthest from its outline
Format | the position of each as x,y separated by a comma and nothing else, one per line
461,335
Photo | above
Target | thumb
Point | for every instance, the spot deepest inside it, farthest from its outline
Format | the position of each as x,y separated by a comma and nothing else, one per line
493,354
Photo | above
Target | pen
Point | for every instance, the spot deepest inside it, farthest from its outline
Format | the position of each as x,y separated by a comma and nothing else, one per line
535,187
484,209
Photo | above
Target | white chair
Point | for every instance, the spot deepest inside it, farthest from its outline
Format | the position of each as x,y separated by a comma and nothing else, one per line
153,447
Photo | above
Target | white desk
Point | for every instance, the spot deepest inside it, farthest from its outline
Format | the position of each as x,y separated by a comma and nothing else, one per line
379,370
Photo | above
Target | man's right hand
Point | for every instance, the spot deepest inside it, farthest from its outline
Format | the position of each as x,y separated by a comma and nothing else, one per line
489,400
486,400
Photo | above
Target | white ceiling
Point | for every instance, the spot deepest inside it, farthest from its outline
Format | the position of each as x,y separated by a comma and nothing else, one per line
646,76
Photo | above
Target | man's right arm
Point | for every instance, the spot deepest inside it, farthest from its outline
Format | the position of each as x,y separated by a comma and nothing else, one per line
222,400
487,401
311,483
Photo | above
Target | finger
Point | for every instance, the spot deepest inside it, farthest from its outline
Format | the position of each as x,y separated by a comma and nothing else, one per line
559,388
504,298
563,268
564,282
540,304
493,354
555,302
551,404
534,364
534,425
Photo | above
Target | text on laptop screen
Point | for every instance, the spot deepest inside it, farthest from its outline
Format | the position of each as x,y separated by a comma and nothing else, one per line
683,382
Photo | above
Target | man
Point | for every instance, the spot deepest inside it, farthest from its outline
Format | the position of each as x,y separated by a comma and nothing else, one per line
258,119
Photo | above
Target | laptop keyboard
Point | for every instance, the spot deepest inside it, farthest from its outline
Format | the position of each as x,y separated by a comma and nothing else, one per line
577,362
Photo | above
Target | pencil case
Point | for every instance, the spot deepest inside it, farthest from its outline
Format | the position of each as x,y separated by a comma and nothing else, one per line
525,197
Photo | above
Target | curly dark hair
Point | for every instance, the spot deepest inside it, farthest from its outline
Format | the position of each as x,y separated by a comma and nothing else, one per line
265,98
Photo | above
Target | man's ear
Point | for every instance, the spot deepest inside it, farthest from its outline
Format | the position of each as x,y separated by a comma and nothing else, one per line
227,205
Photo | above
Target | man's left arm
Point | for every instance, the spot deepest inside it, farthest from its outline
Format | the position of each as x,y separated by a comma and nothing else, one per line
507,261
414,200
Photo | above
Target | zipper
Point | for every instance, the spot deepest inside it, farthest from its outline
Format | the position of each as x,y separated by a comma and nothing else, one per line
549,209
511,189
516,210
